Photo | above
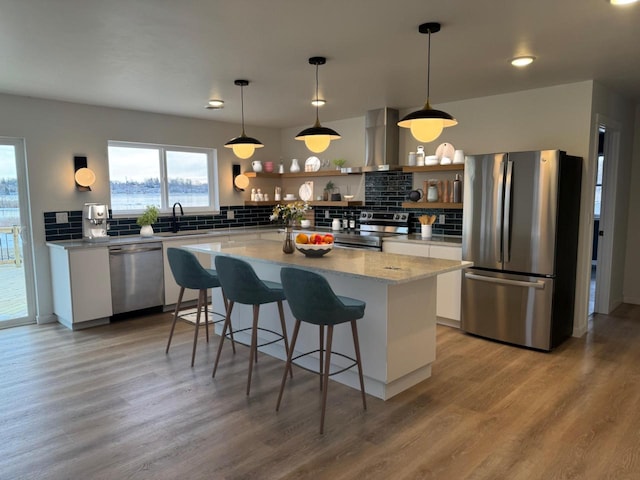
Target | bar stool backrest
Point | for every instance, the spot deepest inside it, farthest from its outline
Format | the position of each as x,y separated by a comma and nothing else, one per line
240,282
188,272
312,299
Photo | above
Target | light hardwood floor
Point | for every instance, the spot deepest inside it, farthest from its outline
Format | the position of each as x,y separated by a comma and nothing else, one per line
106,403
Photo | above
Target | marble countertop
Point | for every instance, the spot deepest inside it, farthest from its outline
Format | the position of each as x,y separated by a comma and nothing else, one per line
135,239
379,266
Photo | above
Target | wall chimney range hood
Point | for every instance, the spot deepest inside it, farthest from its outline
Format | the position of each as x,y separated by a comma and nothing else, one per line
381,140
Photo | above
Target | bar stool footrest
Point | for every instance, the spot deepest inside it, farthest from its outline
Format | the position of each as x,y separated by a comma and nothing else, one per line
278,336
355,362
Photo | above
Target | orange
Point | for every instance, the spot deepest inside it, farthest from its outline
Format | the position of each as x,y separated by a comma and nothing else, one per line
302,238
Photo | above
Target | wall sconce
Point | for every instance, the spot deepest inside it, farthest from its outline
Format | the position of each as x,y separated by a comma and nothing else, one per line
240,181
84,176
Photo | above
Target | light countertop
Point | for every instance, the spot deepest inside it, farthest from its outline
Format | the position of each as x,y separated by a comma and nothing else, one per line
131,239
379,266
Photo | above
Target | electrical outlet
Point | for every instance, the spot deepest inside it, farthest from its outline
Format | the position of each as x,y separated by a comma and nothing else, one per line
441,220
62,217
326,214
230,215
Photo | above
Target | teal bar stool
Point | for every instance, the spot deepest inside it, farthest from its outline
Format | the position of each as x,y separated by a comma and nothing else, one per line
240,284
312,300
189,273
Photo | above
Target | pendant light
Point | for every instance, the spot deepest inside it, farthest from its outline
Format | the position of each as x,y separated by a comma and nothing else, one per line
243,146
317,138
426,125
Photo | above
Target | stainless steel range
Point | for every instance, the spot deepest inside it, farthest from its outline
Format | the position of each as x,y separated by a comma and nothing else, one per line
374,226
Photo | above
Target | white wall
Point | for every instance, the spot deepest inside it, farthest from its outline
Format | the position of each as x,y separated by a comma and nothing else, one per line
612,108
56,131
631,288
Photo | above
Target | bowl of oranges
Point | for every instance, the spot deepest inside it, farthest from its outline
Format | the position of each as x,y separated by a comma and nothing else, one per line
315,244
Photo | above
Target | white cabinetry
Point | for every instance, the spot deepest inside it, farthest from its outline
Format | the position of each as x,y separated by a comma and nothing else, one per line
449,284
81,286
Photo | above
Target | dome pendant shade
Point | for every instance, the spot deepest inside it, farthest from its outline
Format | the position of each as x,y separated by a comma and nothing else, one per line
427,124
317,138
243,146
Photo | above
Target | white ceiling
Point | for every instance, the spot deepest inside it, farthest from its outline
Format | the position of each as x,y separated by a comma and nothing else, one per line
171,56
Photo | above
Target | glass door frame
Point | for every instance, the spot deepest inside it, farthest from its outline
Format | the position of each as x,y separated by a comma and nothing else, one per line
26,235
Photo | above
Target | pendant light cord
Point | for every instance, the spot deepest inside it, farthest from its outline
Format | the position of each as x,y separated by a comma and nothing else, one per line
428,65
317,104
242,107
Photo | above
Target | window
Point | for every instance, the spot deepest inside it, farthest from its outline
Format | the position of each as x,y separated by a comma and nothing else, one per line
598,195
161,175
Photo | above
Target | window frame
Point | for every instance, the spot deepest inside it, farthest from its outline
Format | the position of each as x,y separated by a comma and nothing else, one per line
212,177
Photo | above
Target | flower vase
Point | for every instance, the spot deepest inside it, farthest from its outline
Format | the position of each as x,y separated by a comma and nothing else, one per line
287,246
146,231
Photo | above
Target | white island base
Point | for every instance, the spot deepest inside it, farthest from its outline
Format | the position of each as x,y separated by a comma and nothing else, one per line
398,332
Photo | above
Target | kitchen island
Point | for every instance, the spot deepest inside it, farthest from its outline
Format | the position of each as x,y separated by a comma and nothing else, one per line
398,331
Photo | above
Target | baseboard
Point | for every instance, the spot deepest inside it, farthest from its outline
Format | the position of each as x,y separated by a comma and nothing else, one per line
40,319
632,300
449,322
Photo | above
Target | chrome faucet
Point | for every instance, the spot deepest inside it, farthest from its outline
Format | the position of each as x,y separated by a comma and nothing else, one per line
175,226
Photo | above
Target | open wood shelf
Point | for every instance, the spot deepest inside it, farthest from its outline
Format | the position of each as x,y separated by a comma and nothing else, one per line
313,203
423,205
319,173
435,168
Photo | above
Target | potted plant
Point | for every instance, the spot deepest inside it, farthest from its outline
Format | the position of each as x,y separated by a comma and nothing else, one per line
328,189
339,163
148,218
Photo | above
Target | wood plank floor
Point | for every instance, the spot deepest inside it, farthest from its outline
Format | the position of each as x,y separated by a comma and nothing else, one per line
106,403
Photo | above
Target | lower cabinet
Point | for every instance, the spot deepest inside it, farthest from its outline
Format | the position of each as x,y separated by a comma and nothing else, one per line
81,286
449,284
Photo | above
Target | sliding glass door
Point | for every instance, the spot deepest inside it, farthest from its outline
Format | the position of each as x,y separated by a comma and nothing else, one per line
17,306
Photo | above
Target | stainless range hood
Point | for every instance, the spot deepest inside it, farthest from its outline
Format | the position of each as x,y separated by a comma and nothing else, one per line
381,140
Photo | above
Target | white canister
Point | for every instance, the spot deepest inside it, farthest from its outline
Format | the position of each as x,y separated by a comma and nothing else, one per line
420,156
411,161
336,224
425,231
458,157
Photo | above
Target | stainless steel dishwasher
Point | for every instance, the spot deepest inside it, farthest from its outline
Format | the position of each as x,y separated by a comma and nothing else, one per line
136,276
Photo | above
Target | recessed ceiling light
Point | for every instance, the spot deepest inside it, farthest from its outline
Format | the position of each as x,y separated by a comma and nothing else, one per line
622,2
522,61
318,102
215,104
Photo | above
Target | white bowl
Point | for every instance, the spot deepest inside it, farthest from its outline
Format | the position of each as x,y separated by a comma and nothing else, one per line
431,160
289,197
314,249
348,197
305,223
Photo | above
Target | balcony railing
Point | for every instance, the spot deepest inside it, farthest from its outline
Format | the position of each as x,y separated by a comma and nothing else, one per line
10,245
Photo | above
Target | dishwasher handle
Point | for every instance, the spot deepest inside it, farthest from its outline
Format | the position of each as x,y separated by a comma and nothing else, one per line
137,249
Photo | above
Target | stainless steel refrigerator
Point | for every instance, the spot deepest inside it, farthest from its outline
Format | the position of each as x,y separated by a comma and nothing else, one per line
520,230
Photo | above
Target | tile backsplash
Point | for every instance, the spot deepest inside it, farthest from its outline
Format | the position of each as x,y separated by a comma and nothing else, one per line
384,191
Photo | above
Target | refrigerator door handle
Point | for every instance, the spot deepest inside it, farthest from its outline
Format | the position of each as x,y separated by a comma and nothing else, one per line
503,281
506,232
499,226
